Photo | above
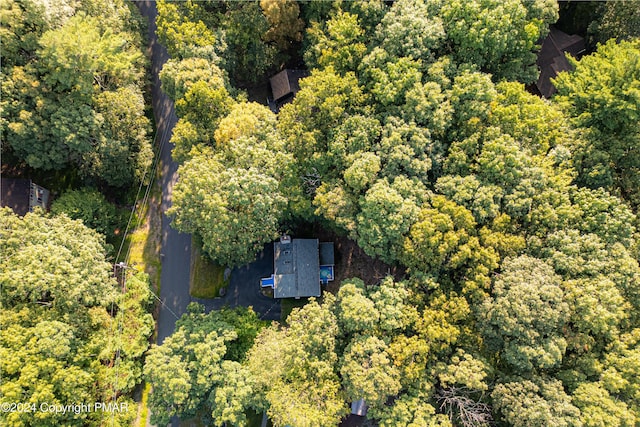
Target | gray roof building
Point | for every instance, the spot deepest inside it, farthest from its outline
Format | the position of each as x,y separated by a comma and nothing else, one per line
296,268
285,84
359,407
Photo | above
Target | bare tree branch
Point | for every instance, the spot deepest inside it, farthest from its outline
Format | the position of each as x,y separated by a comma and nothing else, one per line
456,403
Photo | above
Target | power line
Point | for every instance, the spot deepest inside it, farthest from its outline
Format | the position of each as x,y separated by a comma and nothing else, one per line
151,172
153,165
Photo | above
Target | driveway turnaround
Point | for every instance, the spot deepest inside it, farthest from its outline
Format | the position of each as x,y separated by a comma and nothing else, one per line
244,288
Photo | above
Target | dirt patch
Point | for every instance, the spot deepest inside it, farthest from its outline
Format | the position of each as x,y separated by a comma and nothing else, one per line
259,93
351,260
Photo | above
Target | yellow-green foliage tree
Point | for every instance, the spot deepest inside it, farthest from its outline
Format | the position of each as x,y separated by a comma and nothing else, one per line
73,91
67,335
601,95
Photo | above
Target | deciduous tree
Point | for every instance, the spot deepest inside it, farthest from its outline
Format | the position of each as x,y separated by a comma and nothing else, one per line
285,25
235,210
601,96
58,339
535,403
196,369
526,315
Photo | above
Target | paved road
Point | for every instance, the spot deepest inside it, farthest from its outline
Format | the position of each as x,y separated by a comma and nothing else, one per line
176,247
243,289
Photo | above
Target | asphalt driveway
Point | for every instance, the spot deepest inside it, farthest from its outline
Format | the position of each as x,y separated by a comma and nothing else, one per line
244,288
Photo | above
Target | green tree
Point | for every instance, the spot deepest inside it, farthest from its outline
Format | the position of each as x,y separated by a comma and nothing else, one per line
601,96
498,37
538,125
178,75
410,410
356,313
57,334
437,234
369,13
442,320
196,369
64,55
122,153
535,404
202,107
66,106
202,96
22,24
234,210
411,29
294,369
37,130
333,98
341,45
526,315
229,401
368,372
248,57
387,212
182,33
245,120
599,408
83,276
618,20
389,79
620,365
235,198
91,208
285,25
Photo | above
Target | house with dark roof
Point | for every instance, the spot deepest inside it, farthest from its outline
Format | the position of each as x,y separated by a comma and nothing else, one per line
552,59
284,86
298,268
22,195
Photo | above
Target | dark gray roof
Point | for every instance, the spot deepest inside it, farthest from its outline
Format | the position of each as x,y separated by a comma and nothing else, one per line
552,60
296,269
15,194
285,83
326,253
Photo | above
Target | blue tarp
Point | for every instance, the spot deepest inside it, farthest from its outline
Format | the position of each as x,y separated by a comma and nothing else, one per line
267,282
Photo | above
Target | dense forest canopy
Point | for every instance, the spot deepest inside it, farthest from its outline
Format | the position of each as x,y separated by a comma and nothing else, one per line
414,135
512,219
67,334
73,115
73,73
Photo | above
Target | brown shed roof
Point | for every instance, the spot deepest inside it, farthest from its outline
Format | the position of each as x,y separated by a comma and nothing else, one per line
285,83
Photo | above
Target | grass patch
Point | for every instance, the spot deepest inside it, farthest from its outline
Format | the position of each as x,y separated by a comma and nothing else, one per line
143,409
206,278
144,243
288,304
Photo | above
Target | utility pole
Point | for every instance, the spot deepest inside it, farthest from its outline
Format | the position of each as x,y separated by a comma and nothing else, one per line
121,278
